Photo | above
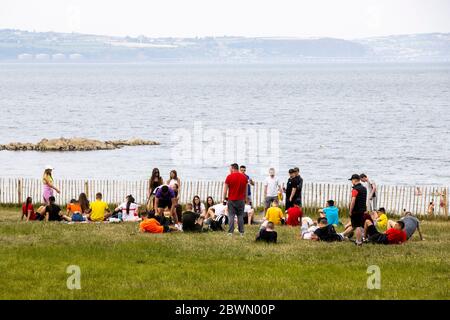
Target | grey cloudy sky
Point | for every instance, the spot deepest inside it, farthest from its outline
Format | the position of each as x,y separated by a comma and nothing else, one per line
190,18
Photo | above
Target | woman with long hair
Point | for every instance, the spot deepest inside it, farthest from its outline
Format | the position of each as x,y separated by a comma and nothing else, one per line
48,187
209,202
154,182
28,210
173,179
129,209
84,203
198,206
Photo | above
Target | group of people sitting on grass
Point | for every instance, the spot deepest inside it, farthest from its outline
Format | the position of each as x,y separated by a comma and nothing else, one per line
210,216
163,212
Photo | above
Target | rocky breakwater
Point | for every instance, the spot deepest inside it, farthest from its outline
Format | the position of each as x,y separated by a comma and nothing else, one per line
75,144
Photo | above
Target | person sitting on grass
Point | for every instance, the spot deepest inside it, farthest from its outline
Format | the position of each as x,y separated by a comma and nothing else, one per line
267,233
274,213
221,212
249,213
331,212
129,210
411,225
28,210
294,214
151,225
192,221
98,210
74,211
395,235
380,219
325,232
53,211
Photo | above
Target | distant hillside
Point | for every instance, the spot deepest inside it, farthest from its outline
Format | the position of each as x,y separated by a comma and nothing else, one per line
16,45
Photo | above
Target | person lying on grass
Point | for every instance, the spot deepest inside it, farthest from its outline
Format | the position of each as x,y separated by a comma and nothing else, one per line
325,232
53,211
308,228
395,235
267,233
411,225
192,221
151,225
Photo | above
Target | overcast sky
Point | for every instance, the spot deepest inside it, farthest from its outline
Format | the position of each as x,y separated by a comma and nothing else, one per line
189,18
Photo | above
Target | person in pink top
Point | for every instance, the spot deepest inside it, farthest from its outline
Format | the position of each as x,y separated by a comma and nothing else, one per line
235,188
48,185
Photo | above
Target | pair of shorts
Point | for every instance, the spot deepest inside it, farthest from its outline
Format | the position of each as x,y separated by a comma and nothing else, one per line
269,200
357,220
164,203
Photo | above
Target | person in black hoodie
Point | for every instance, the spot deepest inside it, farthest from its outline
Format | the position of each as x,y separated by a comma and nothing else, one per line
326,232
267,234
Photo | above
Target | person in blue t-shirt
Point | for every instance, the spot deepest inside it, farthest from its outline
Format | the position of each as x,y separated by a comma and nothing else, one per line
331,213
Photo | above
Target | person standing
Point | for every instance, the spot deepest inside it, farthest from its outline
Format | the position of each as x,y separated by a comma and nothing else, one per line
235,188
48,185
298,191
358,207
291,189
272,188
250,182
154,182
371,192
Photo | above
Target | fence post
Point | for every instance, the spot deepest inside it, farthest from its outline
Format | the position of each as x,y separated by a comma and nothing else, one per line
19,191
86,188
445,200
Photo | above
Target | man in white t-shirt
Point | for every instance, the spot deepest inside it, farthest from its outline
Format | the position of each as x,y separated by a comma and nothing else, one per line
272,188
371,192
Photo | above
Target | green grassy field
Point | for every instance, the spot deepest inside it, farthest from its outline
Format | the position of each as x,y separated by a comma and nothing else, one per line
117,262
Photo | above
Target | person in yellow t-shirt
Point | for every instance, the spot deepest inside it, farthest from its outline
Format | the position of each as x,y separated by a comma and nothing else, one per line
382,220
274,213
99,210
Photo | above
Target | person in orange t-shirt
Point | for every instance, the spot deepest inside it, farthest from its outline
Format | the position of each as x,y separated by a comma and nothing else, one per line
151,225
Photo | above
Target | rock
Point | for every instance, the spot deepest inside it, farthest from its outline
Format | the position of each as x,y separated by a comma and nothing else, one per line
75,144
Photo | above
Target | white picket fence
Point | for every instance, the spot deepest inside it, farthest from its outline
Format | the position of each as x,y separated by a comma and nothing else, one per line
394,198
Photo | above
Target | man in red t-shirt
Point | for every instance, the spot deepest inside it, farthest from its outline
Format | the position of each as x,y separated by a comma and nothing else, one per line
235,188
295,214
395,235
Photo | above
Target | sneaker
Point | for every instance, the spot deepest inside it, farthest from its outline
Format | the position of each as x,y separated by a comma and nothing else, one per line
242,235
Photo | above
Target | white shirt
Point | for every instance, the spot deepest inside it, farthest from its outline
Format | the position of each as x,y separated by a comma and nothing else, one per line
273,186
219,209
133,212
247,208
202,207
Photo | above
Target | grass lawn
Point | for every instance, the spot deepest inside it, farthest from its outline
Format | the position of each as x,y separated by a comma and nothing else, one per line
117,262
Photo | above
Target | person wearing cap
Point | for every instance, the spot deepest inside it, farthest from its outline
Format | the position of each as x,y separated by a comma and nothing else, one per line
371,192
298,191
292,186
48,187
358,207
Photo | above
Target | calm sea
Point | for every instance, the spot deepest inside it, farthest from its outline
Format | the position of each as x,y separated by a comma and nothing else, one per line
391,121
